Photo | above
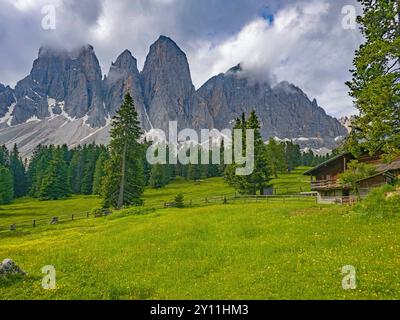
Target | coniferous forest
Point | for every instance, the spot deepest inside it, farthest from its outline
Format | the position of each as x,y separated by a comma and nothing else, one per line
56,172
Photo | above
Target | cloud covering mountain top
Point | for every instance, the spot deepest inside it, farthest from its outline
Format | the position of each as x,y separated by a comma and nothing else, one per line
302,42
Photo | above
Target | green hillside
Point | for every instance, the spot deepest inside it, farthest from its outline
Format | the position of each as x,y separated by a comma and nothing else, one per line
240,250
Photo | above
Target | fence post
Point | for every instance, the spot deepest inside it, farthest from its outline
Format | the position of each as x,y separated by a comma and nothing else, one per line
34,223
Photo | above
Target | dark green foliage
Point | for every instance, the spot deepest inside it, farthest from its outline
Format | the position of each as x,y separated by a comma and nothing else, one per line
99,172
38,165
123,183
90,155
4,156
179,200
158,176
292,155
6,185
381,202
275,155
375,86
19,176
260,177
76,169
55,184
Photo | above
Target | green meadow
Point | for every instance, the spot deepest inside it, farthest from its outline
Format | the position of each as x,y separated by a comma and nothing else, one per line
239,250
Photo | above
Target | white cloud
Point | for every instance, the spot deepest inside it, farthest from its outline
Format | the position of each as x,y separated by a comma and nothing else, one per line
305,45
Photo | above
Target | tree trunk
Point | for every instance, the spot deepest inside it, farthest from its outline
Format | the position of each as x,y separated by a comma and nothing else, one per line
122,183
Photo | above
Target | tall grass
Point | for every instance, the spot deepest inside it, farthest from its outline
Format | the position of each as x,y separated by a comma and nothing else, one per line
381,202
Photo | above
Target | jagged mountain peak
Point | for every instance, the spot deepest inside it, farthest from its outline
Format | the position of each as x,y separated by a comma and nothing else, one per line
66,88
126,61
236,69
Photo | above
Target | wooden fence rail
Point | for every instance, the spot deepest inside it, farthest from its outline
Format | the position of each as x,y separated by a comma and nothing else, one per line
223,199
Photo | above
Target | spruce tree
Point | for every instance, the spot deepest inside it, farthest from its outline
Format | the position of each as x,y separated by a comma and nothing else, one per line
38,165
76,169
260,176
91,155
4,156
6,185
99,172
375,86
19,176
55,181
275,157
158,177
124,180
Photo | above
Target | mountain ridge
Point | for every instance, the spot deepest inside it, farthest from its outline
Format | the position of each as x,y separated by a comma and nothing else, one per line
66,90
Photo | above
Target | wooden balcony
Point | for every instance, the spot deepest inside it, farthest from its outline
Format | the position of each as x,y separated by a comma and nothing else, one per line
326,185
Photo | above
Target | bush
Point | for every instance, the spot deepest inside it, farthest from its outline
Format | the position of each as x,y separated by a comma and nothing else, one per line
381,202
179,201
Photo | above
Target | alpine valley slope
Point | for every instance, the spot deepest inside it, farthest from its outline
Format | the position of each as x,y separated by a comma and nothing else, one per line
65,99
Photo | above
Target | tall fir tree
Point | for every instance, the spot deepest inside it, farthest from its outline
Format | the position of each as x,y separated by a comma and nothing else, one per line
19,175
275,157
76,169
55,184
99,172
158,176
6,185
260,177
38,165
4,156
124,179
90,157
292,155
375,86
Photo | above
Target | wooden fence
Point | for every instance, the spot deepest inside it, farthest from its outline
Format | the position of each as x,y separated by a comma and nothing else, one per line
224,199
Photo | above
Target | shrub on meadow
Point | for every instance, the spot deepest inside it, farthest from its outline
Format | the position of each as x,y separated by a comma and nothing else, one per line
381,202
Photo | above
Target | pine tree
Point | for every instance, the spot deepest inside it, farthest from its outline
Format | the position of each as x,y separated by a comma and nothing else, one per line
179,201
375,86
19,176
158,177
292,156
4,156
38,165
99,172
275,157
76,169
91,155
260,176
124,180
55,181
6,185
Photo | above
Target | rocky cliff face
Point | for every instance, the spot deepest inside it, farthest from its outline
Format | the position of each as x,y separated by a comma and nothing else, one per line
68,83
169,93
7,104
284,110
65,91
124,77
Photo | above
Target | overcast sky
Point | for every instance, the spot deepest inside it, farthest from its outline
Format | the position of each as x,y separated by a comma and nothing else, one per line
303,42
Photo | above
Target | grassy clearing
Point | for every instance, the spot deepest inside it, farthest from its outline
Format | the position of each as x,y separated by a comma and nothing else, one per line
294,182
236,251
27,209
292,250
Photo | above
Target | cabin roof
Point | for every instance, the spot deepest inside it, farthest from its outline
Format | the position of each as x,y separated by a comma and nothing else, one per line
326,163
381,166
384,167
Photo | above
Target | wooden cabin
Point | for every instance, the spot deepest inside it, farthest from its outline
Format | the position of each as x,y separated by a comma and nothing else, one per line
325,177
